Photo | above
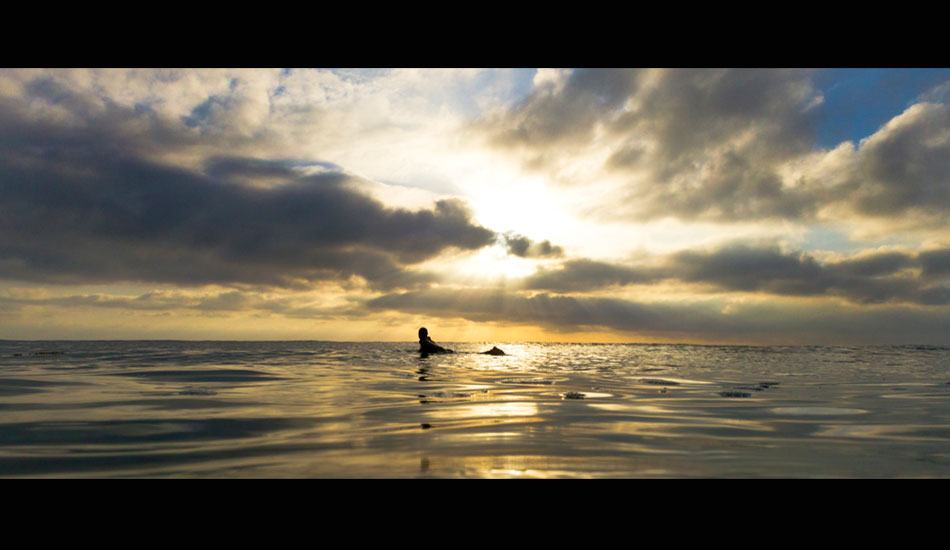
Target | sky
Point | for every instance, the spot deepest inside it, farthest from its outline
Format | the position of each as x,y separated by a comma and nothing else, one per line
710,206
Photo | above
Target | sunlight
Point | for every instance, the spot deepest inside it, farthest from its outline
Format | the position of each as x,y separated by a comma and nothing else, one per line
493,263
487,410
530,206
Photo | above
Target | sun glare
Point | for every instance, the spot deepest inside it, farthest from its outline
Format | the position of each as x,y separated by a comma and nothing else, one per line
528,206
493,263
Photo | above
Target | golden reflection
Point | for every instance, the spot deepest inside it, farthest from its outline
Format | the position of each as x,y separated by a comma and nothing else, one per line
486,410
860,431
487,437
543,466
816,411
624,407
533,474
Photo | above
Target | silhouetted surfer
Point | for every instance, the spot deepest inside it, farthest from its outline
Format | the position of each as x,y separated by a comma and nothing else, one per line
427,346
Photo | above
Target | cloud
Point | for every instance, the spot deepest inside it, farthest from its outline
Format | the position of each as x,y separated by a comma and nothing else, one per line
740,267
726,146
699,320
746,268
876,264
561,110
581,275
560,313
88,200
869,279
690,143
260,179
523,247
935,263
209,302
903,168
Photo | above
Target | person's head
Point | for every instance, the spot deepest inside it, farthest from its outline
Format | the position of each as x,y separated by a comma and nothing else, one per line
423,333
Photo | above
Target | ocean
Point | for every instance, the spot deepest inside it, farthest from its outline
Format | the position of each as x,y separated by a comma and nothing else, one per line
183,409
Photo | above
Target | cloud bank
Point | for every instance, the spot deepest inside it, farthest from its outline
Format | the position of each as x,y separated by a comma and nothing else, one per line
694,320
889,276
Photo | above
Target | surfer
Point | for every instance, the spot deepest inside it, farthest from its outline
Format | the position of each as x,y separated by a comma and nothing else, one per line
426,345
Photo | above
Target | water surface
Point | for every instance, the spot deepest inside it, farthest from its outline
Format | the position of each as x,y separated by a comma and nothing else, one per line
356,410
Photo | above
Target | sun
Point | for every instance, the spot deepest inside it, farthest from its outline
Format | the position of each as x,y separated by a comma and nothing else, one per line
494,263
528,206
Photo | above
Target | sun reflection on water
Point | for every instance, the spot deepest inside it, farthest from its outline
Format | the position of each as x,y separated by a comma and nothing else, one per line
486,410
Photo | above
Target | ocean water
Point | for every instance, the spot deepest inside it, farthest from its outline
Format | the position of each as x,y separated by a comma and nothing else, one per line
162,409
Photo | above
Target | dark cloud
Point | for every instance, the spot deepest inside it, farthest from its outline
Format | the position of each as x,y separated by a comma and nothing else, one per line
68,120
83,202
747,268
935,263
904,167
872,278
707,320
556,115
583,274
560,313
244,169
875,265
523,247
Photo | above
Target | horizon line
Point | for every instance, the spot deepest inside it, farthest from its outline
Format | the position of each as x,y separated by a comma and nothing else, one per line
512,342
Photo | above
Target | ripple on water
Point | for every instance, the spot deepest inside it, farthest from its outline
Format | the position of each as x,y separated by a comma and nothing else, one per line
202,375
197,391
314,409
658,382
735,393
528,381
816,411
